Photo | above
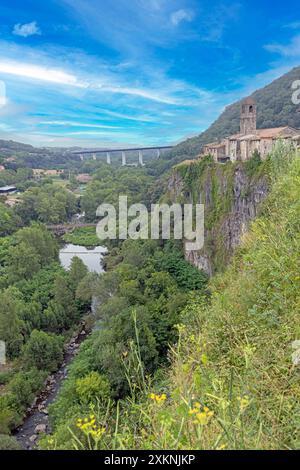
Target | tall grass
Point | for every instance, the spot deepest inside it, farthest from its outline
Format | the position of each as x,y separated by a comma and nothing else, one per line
234,379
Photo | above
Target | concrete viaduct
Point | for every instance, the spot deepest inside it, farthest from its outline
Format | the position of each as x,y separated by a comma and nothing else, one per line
123,151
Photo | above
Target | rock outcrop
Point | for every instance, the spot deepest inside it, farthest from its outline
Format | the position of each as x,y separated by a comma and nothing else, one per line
232,195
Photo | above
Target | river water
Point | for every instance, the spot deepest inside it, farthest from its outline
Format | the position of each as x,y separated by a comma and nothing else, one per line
92,257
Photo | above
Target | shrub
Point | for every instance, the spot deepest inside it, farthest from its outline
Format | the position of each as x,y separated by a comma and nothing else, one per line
9,443
43,351
92,387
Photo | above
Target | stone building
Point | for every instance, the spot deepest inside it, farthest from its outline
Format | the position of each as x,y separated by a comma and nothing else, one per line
242,146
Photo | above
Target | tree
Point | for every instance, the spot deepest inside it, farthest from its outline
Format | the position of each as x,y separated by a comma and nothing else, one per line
86,287
77,272
8,220
11,326
23,262
43,351
64,297
43,242
160,284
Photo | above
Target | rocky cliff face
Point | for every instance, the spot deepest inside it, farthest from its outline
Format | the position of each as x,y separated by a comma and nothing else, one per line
232,195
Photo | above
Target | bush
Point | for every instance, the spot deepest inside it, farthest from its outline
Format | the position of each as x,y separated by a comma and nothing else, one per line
43,351
9,443
24,387
92,387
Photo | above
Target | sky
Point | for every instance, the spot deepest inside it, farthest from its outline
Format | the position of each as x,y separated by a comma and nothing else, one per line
105,73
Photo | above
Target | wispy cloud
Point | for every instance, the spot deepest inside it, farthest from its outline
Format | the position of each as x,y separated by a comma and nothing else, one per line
35,72
128,117
292,25
26,29
78,124
292,49
181,15
140,92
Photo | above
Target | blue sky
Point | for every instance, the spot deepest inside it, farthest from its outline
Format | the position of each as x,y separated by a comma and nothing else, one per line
110,72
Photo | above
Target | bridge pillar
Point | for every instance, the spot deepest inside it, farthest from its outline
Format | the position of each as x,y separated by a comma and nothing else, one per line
94,156
158,153
141,162
108,159
81,157
123,158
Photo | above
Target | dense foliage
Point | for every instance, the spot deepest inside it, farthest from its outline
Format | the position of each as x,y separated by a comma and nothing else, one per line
140,301
109,183
49,203
38,309
233,383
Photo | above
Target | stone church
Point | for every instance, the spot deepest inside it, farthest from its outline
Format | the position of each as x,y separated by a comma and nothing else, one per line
242,146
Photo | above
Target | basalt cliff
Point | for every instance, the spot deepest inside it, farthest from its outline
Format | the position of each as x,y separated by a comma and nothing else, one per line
232,195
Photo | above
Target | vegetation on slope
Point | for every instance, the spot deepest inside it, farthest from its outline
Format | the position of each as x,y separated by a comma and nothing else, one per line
231,193
234,380
39,310
151,282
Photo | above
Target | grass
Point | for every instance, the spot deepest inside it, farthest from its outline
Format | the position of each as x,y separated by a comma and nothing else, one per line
234,356
85,236
234,376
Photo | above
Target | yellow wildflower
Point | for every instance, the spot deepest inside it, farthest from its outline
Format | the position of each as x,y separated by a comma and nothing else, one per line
158,398
88,427
201,417
244,402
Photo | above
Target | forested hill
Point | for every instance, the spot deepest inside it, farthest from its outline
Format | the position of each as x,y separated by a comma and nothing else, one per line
15,146
274,109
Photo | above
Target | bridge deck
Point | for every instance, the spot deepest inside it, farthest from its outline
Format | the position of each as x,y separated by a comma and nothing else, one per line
158,147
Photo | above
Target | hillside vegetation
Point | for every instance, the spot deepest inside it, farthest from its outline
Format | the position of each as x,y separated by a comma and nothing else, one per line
234,376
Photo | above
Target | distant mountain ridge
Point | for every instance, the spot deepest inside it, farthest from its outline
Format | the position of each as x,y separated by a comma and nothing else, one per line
274,109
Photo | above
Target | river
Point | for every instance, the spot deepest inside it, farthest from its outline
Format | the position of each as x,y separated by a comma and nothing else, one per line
92,257
36,420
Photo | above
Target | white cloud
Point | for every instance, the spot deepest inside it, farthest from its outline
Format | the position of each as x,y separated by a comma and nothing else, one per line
140,92
108,84
289,50
78,124
140,118
27,29
181,15
37,72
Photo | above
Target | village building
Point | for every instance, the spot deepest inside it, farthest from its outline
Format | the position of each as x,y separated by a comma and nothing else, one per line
240,147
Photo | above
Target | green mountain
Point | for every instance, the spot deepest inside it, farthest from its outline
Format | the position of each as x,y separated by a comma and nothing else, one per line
274,109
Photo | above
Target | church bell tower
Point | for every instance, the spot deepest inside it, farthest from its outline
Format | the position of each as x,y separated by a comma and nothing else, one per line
248,116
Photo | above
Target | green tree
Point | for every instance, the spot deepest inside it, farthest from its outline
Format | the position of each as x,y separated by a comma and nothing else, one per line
78,271
43,351
23,262
11,327
43,242
8,220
